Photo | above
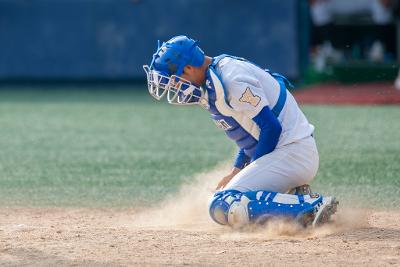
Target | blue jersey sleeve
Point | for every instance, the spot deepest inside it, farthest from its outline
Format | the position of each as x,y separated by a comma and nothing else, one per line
241,159
270,131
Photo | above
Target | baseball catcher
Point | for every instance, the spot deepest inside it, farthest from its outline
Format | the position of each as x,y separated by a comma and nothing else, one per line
277,155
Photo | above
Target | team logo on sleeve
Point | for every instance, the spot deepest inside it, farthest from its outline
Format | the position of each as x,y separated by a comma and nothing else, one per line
249,97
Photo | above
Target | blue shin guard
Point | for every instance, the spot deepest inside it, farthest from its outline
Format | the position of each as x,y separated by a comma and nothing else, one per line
237,208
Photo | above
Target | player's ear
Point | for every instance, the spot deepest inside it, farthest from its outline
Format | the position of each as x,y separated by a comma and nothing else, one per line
188,69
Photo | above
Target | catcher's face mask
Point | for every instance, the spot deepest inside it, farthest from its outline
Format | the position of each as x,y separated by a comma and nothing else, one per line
179,91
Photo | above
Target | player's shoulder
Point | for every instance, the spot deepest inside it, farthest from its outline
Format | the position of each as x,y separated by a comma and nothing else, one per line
232,69
234,73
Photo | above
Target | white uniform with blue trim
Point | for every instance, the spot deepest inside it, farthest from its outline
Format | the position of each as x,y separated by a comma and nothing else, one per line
247,89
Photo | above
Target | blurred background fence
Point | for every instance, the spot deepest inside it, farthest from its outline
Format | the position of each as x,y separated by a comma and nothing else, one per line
112,39
307,40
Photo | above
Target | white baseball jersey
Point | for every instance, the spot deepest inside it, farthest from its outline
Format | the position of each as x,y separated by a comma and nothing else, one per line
239,91
250,88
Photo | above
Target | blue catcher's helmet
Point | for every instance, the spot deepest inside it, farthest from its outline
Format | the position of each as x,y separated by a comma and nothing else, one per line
163,74
175,54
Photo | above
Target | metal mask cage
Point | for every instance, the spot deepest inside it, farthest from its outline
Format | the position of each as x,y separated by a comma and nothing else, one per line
179,91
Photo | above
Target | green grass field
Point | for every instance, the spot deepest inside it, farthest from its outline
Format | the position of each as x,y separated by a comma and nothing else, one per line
118,147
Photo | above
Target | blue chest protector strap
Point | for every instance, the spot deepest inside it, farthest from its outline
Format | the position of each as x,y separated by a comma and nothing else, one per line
281,99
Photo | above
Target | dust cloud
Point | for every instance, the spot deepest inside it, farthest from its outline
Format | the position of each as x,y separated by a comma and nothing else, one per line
188,210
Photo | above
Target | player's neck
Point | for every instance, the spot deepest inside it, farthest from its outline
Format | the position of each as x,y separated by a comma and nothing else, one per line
206,64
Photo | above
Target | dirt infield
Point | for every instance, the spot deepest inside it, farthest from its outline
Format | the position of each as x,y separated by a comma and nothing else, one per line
178,231
93,237
355,94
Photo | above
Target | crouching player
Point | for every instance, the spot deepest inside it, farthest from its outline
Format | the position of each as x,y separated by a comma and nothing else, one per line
277,155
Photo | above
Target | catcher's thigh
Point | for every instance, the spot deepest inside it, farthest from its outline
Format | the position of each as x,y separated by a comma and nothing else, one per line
284,168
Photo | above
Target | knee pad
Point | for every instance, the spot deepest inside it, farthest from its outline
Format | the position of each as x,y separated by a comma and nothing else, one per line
229,208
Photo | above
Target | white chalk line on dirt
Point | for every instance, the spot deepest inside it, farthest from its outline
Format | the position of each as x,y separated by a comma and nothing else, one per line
188,210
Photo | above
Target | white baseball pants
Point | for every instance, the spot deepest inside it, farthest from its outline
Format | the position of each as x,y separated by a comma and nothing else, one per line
284,168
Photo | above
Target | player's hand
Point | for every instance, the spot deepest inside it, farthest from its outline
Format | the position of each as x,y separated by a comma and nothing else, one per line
224,181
